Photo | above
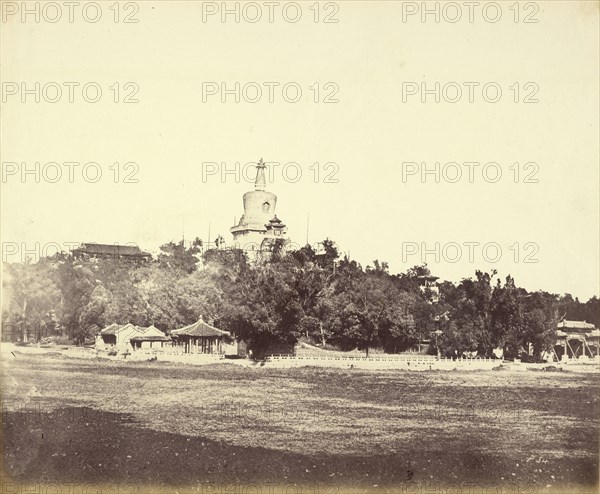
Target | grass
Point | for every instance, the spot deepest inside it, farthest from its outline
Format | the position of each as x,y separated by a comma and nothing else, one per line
159,423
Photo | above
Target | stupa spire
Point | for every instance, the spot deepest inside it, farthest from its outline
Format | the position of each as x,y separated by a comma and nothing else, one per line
260,182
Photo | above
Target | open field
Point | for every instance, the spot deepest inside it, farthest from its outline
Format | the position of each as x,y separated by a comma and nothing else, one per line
75,420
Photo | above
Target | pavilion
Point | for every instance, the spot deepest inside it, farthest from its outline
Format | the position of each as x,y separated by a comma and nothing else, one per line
575,339
202,338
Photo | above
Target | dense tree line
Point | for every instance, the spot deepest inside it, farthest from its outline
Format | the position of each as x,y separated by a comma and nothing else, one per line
323,298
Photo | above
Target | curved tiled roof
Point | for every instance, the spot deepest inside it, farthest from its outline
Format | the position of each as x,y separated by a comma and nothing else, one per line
575,324
110,249
200,328
115,328
151,331
112,329
151,337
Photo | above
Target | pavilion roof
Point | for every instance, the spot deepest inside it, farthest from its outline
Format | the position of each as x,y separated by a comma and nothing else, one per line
200,328
575,325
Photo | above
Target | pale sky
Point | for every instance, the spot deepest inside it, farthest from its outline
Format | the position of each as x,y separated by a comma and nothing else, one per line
368,55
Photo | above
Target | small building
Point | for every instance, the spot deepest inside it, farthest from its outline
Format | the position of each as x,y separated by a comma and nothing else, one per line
576,339
110,251
148,338
275,227
429,286
118,336
203,338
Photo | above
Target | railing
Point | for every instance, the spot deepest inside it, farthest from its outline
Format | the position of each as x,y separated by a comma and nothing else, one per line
471,359
172,352
426,359
193,355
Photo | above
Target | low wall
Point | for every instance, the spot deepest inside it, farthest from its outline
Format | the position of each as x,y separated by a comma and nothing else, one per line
408,362
376,362
189,358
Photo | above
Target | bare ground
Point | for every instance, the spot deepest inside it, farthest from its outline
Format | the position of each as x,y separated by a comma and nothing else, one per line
72,420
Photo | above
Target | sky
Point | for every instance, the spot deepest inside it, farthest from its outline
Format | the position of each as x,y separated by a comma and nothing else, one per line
360,140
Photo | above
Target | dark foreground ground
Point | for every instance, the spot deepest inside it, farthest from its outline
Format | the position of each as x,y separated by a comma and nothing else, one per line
223,428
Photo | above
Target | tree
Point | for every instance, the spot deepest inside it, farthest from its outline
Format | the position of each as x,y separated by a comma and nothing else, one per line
507,322
93,315
198,296
372,309
77,281
541,320
178,258
31,296
260,306
467,305
287,295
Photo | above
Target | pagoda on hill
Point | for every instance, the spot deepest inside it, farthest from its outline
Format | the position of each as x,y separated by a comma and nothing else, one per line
259,227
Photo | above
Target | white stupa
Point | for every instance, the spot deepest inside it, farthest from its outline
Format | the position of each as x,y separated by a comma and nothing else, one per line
259,227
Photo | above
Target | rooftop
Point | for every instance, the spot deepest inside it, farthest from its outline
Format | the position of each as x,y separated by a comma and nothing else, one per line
575,325
149,331
112,329
111,250
200,328
152,337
